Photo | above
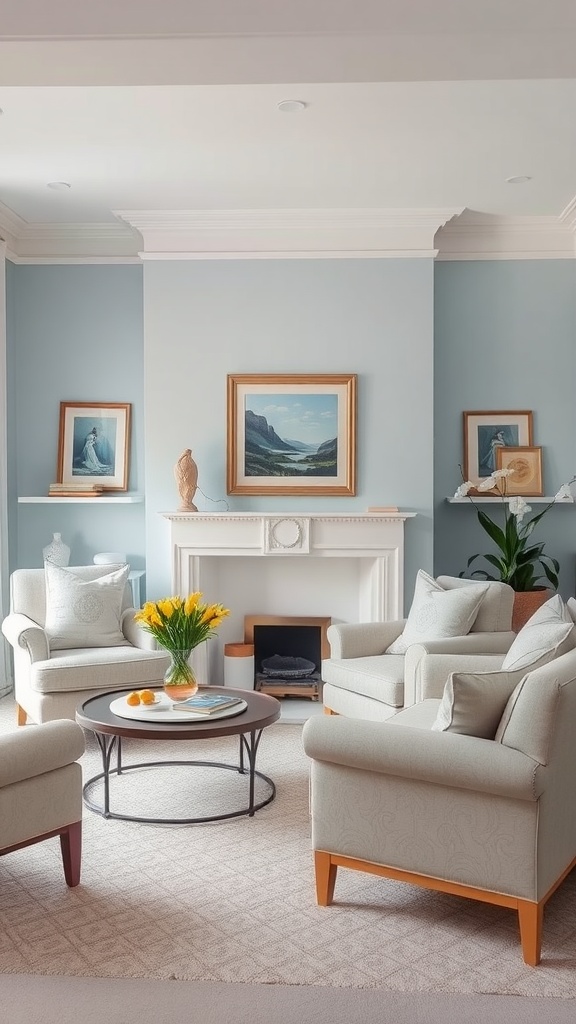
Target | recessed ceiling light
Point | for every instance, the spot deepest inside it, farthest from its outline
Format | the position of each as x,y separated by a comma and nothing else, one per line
59,186
291,106
518,179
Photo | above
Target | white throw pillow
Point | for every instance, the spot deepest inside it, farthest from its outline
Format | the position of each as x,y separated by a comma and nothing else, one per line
547,634
473,702
437,613
84,613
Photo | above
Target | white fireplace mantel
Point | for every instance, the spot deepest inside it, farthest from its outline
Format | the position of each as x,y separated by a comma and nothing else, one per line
288,571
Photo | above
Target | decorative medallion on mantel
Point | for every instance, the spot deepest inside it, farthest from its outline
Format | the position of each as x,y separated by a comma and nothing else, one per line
287,536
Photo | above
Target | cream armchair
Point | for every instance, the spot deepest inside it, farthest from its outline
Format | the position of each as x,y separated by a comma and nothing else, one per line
490,819
49,684
41,790
361,681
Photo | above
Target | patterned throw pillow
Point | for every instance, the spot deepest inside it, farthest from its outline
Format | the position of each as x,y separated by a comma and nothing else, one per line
473,702
548,634
84,613
437,613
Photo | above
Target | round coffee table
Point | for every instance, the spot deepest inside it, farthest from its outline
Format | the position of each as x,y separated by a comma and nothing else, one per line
95,715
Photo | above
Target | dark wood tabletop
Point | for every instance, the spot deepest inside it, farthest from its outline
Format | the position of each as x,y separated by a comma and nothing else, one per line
262,710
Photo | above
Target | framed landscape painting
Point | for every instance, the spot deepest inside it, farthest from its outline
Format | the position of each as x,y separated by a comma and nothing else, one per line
291,434
93,444
485,432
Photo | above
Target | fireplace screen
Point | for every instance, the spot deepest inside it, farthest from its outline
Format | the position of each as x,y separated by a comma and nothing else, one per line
288,653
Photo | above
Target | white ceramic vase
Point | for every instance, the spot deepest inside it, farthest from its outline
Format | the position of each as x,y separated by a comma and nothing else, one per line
57,551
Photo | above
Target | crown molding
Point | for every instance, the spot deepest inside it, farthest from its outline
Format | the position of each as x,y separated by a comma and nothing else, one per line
110,242
287,234
257,56
480,236
568,215
444,234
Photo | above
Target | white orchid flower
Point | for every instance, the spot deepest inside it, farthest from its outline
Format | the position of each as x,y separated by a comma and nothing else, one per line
500,474
564,493
519,508
488,484
462,491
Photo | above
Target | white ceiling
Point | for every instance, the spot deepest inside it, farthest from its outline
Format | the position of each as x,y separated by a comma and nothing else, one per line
144,105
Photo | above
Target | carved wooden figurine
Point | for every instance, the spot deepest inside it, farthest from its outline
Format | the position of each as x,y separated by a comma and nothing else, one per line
186,474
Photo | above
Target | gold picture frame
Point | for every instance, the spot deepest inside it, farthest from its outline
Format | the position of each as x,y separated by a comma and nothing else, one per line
291,434
485,432
526,461
94,444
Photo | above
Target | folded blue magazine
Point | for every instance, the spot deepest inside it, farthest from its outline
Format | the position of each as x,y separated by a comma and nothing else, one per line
207,702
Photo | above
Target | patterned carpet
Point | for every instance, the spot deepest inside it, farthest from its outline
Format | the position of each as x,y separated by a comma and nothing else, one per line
234,900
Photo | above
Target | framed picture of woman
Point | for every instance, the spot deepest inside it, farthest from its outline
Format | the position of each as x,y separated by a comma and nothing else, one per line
485,433
93,444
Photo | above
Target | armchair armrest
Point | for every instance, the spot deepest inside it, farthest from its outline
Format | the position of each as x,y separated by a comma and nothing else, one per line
21,631
426,673
362,639
446,759
472,643
38,749
134,633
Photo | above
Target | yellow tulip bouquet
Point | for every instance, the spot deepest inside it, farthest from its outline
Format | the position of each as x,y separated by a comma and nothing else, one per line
180,624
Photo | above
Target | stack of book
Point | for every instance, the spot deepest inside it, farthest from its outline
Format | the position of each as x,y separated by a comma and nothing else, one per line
80,489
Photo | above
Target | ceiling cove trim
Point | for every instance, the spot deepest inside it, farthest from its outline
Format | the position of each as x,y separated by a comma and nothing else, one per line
287,234
477,236
113,242
445,234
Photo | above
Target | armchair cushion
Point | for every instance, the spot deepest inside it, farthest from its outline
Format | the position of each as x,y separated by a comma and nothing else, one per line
548,634
99,668
83,612
436,613
473,702
380,677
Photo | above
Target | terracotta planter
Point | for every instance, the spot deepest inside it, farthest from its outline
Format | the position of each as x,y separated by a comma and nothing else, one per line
525,604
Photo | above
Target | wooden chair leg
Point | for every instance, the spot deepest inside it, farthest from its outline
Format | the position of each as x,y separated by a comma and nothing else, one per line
530,918
71,846
325,878
21,716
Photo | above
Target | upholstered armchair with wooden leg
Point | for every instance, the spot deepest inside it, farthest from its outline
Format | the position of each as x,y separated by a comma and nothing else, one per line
376,668
74,635
41,790
489,815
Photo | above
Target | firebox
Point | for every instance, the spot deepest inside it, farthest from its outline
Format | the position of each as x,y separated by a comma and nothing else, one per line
288,653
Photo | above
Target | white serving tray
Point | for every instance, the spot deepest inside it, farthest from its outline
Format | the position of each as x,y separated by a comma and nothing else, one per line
163,711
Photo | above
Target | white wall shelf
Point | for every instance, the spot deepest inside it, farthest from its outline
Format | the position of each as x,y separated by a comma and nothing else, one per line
486,500
102,499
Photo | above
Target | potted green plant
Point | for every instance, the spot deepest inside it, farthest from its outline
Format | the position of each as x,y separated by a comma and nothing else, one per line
518,562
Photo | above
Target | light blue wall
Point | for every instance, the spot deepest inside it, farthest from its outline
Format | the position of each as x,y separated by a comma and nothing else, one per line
505,338
204,320
74,334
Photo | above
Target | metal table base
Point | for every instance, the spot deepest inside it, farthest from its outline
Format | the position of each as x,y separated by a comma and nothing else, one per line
108,744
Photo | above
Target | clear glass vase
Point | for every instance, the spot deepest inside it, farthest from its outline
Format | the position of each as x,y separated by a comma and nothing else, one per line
179,679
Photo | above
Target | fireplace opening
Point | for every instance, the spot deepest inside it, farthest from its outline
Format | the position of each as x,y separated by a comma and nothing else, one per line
288,653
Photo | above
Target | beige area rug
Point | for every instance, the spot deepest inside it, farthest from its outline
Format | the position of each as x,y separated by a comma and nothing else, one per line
234,901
